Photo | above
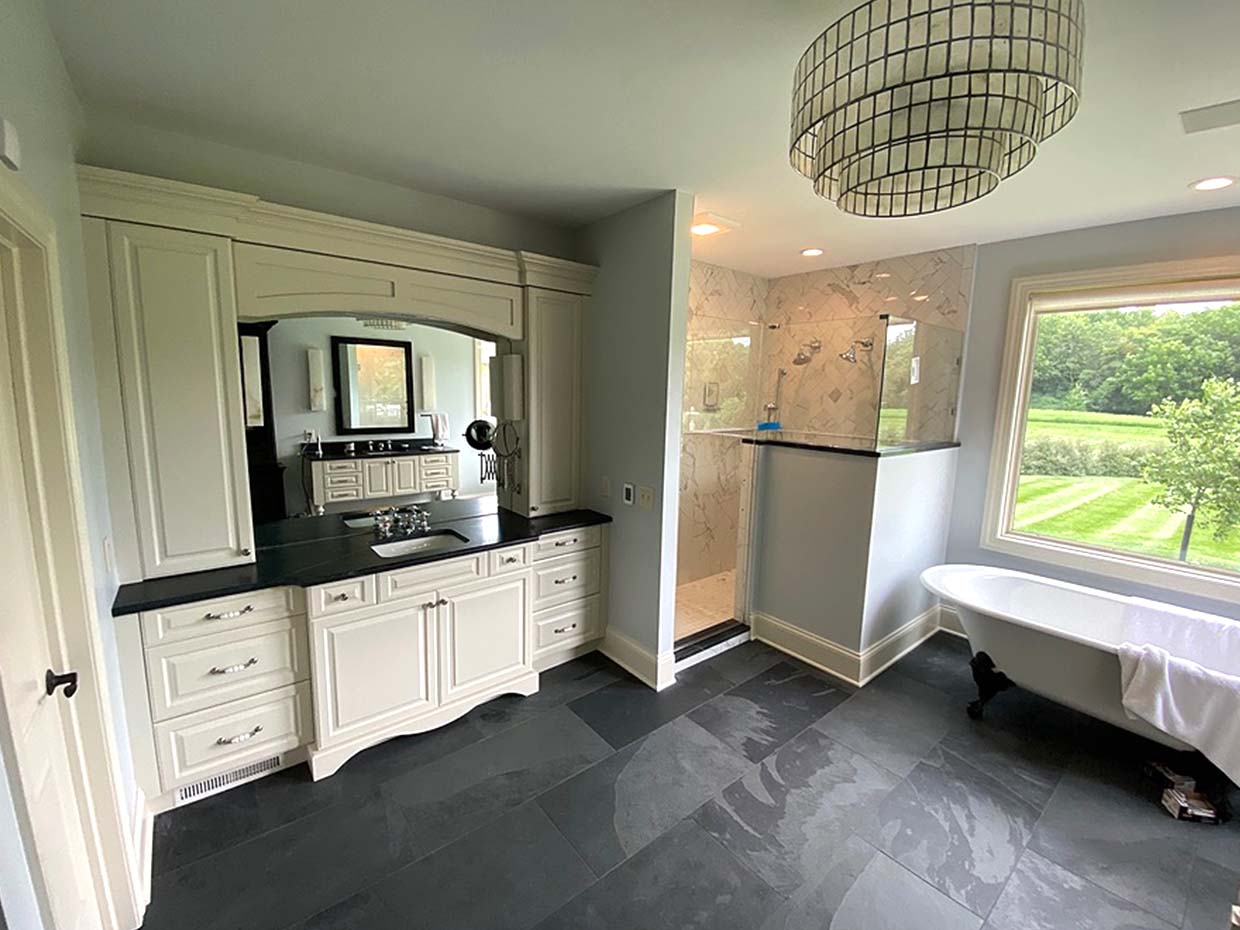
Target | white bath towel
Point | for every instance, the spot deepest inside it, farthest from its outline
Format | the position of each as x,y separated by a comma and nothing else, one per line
1181,674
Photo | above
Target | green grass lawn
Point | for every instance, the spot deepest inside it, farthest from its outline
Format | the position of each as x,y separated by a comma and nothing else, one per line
1082,424
1117,513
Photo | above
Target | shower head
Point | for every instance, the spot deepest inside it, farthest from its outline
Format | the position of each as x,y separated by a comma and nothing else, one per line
806,353
851,355
801,358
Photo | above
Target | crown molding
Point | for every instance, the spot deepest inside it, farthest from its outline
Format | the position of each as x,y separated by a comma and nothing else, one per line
136,198
556,274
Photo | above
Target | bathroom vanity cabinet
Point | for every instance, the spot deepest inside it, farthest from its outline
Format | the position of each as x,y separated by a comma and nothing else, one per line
336,481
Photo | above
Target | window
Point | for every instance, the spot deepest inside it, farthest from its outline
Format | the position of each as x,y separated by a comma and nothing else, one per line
484,351
1117,447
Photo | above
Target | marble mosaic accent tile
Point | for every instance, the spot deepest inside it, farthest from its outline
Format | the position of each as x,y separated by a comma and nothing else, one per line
893,721
684,879
759,716
613,809
860,887
785,819
1042,896
960,830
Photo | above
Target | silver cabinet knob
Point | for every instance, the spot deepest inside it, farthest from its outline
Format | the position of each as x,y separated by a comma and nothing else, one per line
341,597
442,602
245,552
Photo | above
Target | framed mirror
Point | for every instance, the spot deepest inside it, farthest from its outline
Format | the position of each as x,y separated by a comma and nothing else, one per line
373,379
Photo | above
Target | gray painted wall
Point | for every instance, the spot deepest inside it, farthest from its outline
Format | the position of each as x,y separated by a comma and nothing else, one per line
812,540
287,343
36,96
633,376
1196,235
111,141
912,509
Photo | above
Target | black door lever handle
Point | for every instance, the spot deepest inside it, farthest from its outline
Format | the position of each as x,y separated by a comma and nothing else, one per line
69,680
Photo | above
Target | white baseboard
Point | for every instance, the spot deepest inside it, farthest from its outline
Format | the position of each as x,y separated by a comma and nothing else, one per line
658,672
142,837
949,620
856,668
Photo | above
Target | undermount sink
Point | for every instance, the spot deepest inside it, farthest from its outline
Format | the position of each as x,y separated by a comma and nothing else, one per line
417,545
366,519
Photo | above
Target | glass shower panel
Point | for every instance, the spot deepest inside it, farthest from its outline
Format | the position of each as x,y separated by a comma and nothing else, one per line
920,382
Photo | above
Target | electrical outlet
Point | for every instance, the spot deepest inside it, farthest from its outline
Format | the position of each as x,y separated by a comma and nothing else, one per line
626,494
645,498
605,487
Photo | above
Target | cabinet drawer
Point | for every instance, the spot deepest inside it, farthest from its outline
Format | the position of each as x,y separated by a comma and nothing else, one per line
567,625
416,581
567,578
209,742
436,471
427,461
202,618
553,544
344,494
339,468
435,484
343,481
212,670
339,596
509,560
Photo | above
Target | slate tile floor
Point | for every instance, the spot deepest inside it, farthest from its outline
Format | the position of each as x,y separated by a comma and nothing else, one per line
755,794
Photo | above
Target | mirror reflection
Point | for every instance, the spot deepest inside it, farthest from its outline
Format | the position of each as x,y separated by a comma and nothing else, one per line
373,379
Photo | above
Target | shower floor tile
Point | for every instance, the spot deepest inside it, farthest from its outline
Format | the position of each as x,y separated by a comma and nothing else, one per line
703,603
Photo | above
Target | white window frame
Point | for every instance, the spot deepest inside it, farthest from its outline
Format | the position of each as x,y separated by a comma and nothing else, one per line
1164,282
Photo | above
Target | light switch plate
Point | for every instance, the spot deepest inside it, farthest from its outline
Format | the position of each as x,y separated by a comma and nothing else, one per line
645,498
627,494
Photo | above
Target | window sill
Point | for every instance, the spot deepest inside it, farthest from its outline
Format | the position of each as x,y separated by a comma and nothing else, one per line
1198,581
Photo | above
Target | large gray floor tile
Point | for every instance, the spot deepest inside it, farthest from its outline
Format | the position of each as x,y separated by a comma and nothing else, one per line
507,876
759,716
957,828
1105,825
1027,763
1212,891
614,808
286,875
742,662
942,662
684,879
458,793
1043,896
859,888
894,721
628,709
785,819
362,911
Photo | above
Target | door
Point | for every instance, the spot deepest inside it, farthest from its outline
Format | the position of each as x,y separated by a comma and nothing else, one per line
176,329
554,404
377,478
374,670
32,724
405,476
482,637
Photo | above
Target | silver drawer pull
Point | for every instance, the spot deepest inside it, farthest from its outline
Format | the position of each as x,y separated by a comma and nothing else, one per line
566,542
232,669
511,560
442,602
429,605
340,597
231,614
239,738
565,580
559,630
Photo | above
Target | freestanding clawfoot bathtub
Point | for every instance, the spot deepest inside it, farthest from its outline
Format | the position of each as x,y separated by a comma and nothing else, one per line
1056,639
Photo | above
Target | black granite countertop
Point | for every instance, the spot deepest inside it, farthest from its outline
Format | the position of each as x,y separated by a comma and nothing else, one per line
313,550
846,445
333,451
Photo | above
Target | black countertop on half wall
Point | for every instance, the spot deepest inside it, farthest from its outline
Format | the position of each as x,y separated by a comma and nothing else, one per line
845,445
305,551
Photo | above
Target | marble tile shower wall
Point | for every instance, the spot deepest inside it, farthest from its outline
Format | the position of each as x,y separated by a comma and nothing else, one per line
840,305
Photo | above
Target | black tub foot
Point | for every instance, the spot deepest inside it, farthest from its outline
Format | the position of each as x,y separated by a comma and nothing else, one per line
990,681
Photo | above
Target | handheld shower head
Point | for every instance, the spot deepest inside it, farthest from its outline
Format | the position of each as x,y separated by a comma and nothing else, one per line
851,355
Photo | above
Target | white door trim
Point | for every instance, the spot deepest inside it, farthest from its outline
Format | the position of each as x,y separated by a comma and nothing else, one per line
56,500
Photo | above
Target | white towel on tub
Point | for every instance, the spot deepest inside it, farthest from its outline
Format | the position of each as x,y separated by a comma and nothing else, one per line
1181,674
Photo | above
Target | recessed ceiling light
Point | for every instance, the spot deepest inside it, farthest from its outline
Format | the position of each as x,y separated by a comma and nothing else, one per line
1213,184
811,253
710,224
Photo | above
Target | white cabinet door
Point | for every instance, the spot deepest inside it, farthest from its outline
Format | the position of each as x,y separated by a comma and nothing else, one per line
553,404
377,478
405,476
372,670
176,331
483,637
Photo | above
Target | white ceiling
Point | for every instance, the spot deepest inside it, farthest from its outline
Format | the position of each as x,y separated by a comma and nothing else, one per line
572,109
